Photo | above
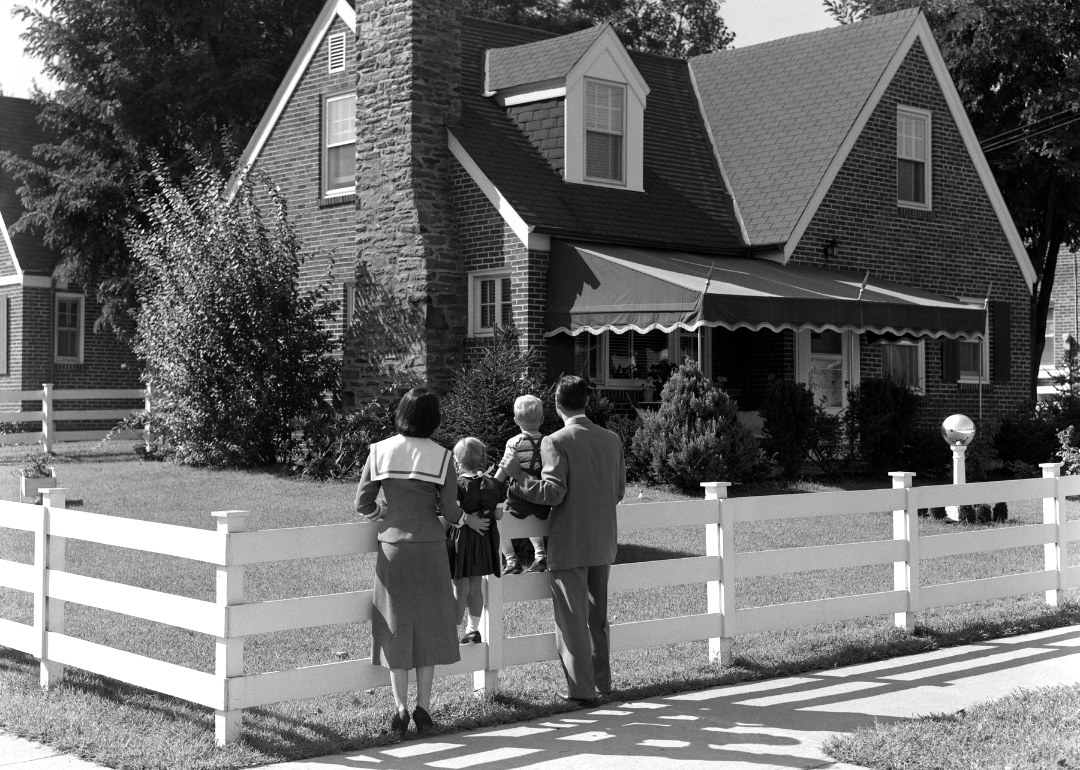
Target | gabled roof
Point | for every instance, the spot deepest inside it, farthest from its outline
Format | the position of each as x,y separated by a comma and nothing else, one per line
779,112
685,203
19,132
538,61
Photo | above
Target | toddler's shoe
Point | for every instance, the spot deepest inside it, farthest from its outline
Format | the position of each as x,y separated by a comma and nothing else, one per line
512,568
538,565
472,637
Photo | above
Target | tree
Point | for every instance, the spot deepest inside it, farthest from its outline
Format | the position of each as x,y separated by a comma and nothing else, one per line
135,77
234,350
1015,66
671,27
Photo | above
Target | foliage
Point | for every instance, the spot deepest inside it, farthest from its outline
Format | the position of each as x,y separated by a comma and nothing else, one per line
36,465
925,453
1027,437
671,27
832,441
328,444
137,76
789,414
625,426
1069,451
883,417
233,349
1001,512
694,436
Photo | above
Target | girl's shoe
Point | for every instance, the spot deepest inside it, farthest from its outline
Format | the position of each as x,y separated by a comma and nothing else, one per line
512,567
400,723
423,720
472,637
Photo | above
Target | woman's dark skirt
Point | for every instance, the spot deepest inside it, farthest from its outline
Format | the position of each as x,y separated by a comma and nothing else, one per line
413,624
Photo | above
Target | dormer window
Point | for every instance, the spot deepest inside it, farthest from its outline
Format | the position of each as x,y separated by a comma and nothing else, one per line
604,128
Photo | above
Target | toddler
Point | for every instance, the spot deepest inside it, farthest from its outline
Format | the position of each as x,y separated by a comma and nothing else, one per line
528,414
474,553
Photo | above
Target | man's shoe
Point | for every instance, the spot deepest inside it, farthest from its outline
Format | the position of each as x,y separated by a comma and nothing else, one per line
580,702
472,637
512,568
423,720
539,565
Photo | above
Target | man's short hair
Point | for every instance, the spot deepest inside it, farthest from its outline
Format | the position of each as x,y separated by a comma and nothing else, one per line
418,413
470,454
572,393
528,410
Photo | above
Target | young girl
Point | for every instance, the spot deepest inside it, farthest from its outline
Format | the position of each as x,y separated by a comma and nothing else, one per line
474,554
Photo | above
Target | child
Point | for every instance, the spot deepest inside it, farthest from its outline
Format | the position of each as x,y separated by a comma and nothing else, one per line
474,554
528,414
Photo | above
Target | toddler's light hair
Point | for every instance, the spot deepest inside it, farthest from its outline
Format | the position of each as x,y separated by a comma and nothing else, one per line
470,454
528,410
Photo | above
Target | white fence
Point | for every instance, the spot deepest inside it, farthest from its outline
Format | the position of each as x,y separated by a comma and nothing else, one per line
230,619
49,415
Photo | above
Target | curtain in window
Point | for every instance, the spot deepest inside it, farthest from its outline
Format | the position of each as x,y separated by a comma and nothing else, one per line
911,158
631,355
900,364
341,143
604,112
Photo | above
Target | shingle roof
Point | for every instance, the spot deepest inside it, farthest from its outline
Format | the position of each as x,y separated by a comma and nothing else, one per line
538,61
19,132
685,204
779,112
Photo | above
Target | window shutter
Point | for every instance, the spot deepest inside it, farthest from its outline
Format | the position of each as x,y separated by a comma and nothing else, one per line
950,360
1002,350
560,356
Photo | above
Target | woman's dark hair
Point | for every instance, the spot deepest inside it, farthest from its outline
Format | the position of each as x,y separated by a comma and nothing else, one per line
572,393
418,413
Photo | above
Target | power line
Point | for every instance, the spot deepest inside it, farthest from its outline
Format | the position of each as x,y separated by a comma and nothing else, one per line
1000,145
1027,127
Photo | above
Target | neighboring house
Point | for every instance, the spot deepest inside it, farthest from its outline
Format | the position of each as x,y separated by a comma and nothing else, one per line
816,208
1062,320
46,326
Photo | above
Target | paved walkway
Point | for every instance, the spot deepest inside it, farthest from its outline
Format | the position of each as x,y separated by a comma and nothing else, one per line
777,723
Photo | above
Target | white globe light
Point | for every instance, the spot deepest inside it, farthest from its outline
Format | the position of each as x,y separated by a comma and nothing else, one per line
958,430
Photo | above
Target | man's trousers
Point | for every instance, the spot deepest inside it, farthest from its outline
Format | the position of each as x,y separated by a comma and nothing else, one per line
580,596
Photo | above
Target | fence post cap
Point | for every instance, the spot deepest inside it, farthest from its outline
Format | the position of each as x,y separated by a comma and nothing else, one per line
715,490
903,474
47,496
1050,469
715,484
230,521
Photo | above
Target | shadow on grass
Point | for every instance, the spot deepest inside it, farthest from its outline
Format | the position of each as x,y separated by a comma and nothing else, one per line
630,553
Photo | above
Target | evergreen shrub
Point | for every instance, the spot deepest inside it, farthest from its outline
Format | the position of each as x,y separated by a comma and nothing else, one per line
328,444
984,514
788,412
883,415
1001,512
968,513
938,512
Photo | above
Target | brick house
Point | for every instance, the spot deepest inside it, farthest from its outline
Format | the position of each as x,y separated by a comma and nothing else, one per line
46,326
814,208
1062,320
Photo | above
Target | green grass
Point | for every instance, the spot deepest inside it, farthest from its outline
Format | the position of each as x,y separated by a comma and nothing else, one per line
1027,730
121,726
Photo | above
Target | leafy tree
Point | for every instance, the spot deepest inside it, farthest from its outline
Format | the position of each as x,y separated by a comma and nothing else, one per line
1015,66
671,27
137,76
234,351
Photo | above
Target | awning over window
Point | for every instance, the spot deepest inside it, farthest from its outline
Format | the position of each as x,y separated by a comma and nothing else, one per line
613,288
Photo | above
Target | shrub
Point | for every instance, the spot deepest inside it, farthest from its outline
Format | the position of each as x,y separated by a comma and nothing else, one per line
968,513
625,426
788,412
938,512
984,514
832,443
233,349
1000,512
883,416
331,445
694,436
924,512
1068,451
1028,437
36,465
925,453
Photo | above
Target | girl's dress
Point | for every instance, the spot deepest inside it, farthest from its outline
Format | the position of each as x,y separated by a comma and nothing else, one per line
473,554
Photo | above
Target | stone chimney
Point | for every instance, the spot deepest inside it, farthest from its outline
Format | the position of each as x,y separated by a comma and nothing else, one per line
411,304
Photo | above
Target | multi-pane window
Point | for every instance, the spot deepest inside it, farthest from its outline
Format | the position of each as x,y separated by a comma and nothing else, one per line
901,363
492,301
586,355
632,355
827,368
339,118
69,328
969,358
604,128
1048,358
912,157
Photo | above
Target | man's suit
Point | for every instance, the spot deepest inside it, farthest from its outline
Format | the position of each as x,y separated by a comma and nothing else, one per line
583,479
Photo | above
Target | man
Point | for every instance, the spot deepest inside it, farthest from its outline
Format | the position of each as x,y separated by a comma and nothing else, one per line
583,479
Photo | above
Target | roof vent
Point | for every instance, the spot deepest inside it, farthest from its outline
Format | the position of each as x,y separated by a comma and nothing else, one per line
337,52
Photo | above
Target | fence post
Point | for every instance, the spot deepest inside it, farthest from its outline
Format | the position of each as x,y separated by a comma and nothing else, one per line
46,417
49,554
229,657
720,541
486,682
1055,555
906,573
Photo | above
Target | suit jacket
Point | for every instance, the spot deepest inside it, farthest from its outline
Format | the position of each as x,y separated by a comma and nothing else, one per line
583,479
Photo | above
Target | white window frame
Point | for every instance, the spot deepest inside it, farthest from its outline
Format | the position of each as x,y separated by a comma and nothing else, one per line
1050,338
475,278
984,347
850,362
335,53
81,300
329,192
704,341
915,112
621,133
920,374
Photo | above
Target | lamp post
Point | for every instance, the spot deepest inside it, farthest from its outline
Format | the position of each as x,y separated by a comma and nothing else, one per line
958,431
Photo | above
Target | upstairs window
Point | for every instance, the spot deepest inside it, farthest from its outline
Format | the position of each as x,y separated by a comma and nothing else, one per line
339,148
913,158
69,329
492,303
605,113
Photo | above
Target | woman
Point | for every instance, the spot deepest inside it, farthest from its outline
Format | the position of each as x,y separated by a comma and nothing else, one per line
413,626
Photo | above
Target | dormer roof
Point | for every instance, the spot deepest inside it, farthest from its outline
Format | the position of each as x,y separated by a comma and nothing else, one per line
539,61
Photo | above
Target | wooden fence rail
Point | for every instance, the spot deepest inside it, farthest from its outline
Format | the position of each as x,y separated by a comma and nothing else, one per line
230,618
49,416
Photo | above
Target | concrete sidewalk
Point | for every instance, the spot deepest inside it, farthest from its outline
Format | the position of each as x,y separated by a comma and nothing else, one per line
776,723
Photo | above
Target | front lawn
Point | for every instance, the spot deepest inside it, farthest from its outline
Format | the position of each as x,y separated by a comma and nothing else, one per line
121,726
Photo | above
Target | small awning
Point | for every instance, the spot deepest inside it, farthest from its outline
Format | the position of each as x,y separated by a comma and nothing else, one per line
595,289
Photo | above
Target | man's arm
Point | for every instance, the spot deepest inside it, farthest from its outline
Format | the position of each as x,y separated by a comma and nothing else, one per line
550,488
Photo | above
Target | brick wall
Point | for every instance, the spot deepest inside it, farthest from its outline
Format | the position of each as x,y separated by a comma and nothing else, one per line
545,125
1065,299
956,249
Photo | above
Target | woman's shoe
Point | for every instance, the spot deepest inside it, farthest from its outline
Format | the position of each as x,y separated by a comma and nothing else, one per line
400,723
423,720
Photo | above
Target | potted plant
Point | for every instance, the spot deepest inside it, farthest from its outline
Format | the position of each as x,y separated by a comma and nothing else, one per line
36,474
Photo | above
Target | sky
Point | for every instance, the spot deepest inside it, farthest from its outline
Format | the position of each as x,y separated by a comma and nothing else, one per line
753,21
